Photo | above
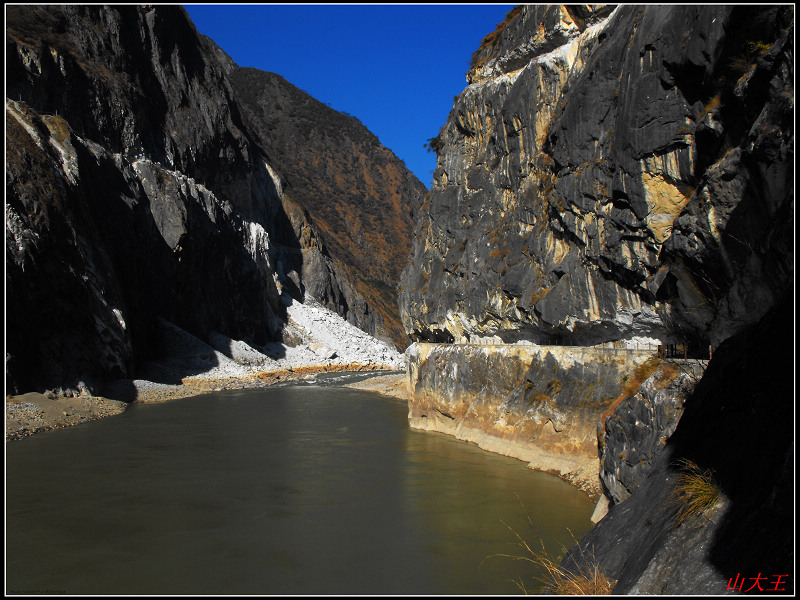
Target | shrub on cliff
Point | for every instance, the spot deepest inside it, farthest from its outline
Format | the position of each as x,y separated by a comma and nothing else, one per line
696,492
481,55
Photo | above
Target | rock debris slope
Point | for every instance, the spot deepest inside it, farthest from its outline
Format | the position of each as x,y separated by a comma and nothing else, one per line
137,190
323,339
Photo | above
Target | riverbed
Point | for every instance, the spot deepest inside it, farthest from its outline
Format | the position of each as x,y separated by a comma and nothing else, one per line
303,489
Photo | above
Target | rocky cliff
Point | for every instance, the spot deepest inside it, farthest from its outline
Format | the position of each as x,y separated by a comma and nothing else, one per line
138,186
536,403
611,174
737,429
625,174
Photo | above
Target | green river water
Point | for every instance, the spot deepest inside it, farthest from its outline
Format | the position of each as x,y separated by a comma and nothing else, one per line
304,489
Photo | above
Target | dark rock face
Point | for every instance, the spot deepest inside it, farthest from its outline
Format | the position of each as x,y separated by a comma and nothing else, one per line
100,242
735,425
94,254
634,434
135,189
595,178
133,80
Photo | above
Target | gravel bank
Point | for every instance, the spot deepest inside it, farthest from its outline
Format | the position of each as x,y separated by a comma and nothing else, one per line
393,384
31,413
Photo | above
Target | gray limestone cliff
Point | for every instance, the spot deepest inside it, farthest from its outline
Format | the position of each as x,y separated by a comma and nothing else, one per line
624,175
138,188
610,175
536,403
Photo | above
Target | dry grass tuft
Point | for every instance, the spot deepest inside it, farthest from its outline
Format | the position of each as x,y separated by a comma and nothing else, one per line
712,105
588,581
640,374
696,492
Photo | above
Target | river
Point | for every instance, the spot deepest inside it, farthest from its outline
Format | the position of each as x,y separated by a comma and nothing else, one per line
303,489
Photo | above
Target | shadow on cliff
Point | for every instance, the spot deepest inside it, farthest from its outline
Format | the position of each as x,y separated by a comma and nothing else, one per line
171,298
104,270
739,423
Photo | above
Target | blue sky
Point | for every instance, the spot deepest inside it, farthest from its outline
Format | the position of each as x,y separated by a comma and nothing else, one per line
395,67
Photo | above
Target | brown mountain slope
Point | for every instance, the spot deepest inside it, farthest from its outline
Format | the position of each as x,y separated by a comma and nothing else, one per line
359,195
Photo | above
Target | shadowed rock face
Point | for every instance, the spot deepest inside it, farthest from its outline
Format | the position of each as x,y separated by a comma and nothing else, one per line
633,433
99,241
736,425
610,175
136,190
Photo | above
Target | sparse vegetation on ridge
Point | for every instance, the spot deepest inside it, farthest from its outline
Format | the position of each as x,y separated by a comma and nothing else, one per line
434,144
491,40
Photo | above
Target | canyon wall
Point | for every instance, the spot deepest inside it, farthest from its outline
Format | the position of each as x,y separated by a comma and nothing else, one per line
611,173
623,174
737,428
359,196
139,185
128,181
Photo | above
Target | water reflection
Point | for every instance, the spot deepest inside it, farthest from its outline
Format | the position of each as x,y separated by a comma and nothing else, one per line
478,503
297,490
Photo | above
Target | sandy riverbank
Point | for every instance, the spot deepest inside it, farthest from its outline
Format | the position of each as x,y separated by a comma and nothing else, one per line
391,384
31,413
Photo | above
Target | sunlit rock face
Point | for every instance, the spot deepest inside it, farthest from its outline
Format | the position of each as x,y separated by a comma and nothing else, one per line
536,403
357,195
623,173
611,173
